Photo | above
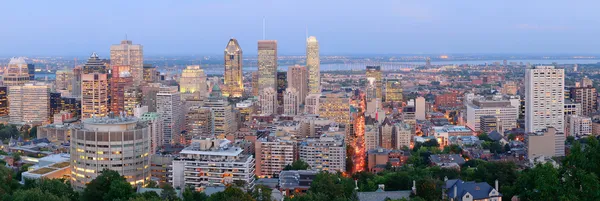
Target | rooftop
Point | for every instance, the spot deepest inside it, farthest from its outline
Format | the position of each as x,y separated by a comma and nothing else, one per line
450,128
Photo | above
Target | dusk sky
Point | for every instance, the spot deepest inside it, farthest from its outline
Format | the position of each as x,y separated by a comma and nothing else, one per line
203,27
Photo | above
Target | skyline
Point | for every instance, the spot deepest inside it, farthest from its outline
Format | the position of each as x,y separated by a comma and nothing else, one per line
72,28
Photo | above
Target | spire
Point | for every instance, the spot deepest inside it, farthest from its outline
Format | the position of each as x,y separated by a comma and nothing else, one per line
94,55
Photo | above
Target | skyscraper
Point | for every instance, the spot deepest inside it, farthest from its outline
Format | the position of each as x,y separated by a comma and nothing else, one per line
95,65
192,85
168,105
393,90
233,80
76,82
255,83
223,118
544,98
121,79
3,101
268,101
16,73
297,78
29,103
149,73
267,64
63,82
313,64
131,55
94,95
291,104
281,87
375,73
587,96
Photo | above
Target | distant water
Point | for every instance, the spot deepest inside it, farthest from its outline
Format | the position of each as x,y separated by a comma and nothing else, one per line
44,76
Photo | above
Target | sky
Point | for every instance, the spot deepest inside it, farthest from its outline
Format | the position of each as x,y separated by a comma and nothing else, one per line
343,27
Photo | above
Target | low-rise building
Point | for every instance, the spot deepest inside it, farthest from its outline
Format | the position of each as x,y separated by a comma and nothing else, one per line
548,142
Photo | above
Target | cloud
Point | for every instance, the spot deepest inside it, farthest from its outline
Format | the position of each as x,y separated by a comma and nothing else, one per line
535,27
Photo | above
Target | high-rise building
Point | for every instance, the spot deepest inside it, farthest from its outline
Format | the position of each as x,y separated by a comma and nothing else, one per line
3,101
335,106
55,105
95,65
311,104
586,82
588,97
16,73
404,134
71,105
64,82
192,85
224,122
29,103
212,162
313,65
578,126
200,122
268,101
281,87
168,105
31,71
497,107
393,91
94,96
291,103
132,97
272,155
326,153
76,82
544,98
420,108
150,73
149,92
155,124
233,78
297,78
255,83
387,138
128,54
374,72
267,64
116,143
121,79
371,137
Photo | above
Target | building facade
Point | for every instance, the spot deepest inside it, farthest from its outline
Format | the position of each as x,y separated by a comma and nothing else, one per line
16,73
297,78
29,103
313,65
544,98
128,54
375,73
233,76
94,95
268,101
326,153
192,85
273,155
267,64
291,102
393,90
169,106
578,126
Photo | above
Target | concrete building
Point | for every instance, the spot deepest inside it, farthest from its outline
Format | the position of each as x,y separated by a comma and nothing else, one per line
161,166
291,102
119,81
150,73
156,127
313,65
29,103
149,92
548,142
169,106
371,137
297,78
55,133
121,144
443,133
200,122
94,95
272,155
128,54
312,104
212,162
446,100
497,106
64,82
420,108
132,98
393,90
404,134
268,101
489,123
192,86
335,106
233,76
374,72
224,119
387,135
588,97
544,98
326,153
578,126
267,64
16,73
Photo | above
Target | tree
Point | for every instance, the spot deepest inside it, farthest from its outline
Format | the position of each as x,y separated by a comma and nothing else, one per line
297,165
570,140
429,189
192,195
231,194
168,193
119,190
539,183
100,186
152,184
7,182
57,187
333,186
512,136
33,133
484,136
431,143
35,194
261,193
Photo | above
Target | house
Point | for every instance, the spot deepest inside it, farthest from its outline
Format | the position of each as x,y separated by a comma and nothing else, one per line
458,190
497,137
447,160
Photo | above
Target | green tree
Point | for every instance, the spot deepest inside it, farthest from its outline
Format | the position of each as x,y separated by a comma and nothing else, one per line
100,186
429,189
539,183
231,194
35,194
58,187
192,195
7,182
297,165
148,195
119,190
168,193
261,193
152,184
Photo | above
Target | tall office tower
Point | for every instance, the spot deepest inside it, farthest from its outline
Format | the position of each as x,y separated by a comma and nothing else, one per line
393,91
356,139
311,104
497,107
155,124
76,82
168,105
387,138
375,72
55,105
281,87
212,162
3,101
132,97
94,95
150,73
233,77
64,81
149,92
16,73
94,65
404,134
297,78
291,102
313,64
127,54
199,122
116,143
587,96
255,83
223,117
578,126
268,101
29,103
121,79
335,106
31,71
267,64
544,98
272,155
192,86
71,105
326,153
420,108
